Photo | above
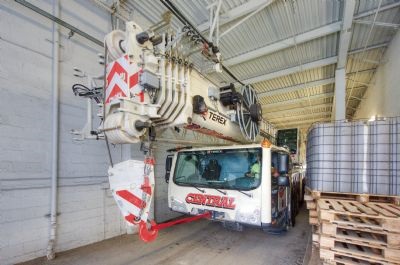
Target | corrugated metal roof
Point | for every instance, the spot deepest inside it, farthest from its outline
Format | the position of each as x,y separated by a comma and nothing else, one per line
303,53
368,5
282,20
298,108
364,61
378,35
271,25
300,94
296,78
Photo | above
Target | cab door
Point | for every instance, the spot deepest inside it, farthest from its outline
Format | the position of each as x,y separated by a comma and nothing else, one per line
280,188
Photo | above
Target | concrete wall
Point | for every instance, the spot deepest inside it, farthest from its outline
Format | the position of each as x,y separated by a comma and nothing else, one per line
382,97
160,211
87,212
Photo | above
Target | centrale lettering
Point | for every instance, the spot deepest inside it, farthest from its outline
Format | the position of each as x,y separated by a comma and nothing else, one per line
215,117
211,200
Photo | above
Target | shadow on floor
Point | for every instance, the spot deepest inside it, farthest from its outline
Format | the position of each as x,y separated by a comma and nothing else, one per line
201,242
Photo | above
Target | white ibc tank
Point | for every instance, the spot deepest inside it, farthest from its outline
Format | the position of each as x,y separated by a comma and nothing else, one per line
320,151
356,157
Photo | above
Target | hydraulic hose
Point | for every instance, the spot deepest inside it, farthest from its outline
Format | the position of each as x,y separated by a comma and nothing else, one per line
186,22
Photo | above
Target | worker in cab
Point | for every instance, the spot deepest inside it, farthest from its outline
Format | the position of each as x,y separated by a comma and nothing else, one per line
255,169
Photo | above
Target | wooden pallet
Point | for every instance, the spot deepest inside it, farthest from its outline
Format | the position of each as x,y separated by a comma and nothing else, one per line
312,207
316,233
355,228
345,260
371,245
383,256
376,216
361,235
360,197
310,202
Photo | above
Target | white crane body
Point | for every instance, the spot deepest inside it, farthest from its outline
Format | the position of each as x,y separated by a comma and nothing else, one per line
149,84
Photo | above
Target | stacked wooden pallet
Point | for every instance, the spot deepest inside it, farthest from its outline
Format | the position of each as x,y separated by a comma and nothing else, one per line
350,230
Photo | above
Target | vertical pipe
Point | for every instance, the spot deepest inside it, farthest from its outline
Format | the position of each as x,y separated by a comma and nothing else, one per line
89,114
340,94
55,120
210,20
89,117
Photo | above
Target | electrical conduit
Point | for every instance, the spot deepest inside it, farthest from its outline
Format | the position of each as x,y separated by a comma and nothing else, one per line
55,135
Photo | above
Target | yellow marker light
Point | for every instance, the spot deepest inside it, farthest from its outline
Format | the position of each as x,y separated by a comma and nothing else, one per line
266,143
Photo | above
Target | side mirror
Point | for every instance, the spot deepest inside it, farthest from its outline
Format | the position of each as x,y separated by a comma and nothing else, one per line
168,165
283,163
283,181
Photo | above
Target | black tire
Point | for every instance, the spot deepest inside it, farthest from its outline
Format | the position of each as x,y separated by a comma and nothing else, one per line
293,218
293,209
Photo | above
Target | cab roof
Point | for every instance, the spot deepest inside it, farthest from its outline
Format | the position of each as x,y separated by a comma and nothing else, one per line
255,145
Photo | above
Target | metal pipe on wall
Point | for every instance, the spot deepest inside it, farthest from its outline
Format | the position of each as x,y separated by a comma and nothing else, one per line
110,10
55,134
59,21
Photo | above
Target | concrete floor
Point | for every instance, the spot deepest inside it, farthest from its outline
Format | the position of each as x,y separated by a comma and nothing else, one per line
201,242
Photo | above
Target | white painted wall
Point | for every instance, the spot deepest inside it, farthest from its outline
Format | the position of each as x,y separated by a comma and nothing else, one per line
87,212
383,96
161,210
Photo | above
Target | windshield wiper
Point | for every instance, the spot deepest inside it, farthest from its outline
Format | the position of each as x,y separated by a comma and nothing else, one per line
245,193
223,192
216,181
194,186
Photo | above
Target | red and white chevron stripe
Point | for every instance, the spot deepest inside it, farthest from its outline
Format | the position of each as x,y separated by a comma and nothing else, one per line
132,200
122,78
132,183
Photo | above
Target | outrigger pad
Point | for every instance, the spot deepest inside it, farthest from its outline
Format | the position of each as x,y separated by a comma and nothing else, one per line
132,185
147,235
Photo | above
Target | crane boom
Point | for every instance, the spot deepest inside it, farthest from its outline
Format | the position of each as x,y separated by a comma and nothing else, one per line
150,84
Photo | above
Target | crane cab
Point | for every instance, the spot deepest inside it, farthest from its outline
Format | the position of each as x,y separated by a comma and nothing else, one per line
240,185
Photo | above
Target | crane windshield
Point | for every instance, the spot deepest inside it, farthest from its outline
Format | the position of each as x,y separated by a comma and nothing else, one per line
238,169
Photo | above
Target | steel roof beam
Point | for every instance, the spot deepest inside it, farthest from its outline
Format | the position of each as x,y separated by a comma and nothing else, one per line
377,23
339,106
294,88
234,13
253,5
367,60
327,81
242,20
294,124
297,100
291,70
373,11
362,71
345,33
309,120
307,66
377,46
300,38
284,44
295,109
300,115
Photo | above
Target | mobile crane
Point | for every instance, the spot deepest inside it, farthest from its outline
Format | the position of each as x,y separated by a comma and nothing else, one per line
149,84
